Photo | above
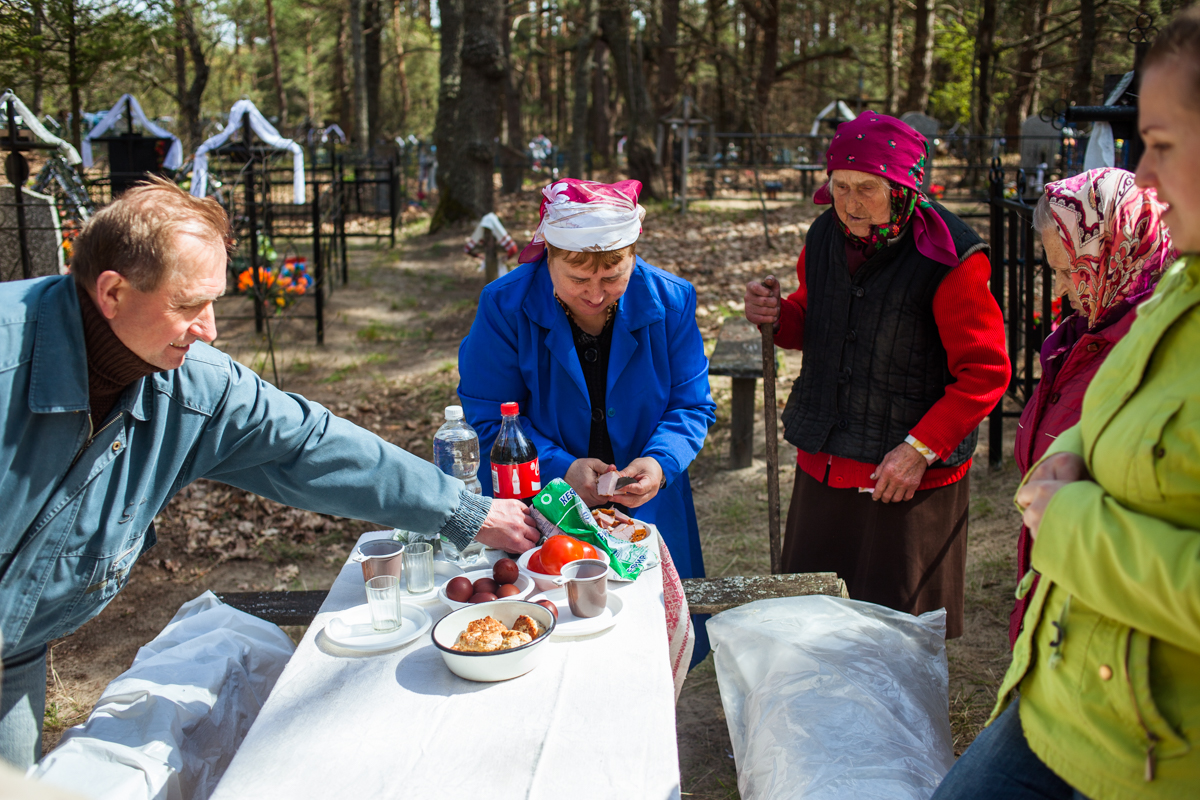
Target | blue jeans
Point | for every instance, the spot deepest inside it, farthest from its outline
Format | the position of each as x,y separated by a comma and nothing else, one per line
23,708
1000,766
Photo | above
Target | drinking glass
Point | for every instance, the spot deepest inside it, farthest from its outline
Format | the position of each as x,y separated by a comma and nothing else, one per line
383,598
418,567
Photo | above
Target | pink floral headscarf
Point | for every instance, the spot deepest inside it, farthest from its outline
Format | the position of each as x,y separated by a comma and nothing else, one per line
1114,236
586,216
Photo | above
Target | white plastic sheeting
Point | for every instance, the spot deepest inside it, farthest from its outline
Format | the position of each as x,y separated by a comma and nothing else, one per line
1102,147
838,108
174,157
832,699
263,130
167,728
30,121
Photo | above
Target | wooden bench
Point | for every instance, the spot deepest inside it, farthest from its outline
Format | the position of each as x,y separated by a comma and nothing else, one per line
704,595
738,355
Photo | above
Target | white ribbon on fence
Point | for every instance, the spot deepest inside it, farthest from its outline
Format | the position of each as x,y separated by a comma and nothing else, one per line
265,131
174,157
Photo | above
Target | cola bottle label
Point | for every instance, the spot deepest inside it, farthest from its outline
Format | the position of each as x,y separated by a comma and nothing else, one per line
516,481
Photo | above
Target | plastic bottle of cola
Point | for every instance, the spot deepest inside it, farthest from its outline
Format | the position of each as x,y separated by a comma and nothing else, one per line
456,449
515,471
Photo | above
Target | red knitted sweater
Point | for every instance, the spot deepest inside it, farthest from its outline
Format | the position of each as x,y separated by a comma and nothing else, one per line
972,331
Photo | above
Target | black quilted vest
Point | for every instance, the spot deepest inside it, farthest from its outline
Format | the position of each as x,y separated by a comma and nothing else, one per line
874,362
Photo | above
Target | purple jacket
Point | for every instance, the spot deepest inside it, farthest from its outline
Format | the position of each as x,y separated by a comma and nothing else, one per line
1070,357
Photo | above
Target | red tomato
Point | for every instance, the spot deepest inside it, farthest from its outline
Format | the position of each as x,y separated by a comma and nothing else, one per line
559,550
535,563
592,552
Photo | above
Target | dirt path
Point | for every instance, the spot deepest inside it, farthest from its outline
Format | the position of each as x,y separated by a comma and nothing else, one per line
390,364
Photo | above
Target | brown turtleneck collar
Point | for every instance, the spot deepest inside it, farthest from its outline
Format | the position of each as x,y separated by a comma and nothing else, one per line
111,366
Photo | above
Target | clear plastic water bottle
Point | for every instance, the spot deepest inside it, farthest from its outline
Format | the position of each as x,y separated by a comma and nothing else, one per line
456,453
456,449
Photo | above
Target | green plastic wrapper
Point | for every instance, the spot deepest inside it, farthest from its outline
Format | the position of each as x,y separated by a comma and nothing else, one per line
558,509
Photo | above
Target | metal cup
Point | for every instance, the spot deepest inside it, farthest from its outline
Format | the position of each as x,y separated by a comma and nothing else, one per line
380,557
587,586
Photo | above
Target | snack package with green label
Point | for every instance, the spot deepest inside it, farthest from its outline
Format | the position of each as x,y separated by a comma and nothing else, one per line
558,509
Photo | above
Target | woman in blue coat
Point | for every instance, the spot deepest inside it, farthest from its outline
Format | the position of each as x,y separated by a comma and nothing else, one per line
602,352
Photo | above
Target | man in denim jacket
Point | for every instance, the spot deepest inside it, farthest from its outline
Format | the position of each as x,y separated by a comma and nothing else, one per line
111,401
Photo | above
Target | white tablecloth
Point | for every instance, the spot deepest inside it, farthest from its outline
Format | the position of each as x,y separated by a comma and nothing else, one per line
596,719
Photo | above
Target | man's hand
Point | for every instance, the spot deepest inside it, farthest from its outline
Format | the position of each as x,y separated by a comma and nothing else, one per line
582,476
899,475
649,480
509,527
1044,482
763,303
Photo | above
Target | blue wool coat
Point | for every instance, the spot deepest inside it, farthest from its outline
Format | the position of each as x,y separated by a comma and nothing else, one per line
658,399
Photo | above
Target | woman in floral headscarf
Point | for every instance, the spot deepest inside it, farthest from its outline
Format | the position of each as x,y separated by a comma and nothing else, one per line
1105,239
903,357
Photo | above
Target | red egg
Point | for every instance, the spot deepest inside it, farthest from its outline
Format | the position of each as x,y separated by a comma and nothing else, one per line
482,597
459,589
508,590
505,571
549,605
486,585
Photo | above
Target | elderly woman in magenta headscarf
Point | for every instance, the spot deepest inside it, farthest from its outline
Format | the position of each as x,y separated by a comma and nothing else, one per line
903,357
1105,239
602,352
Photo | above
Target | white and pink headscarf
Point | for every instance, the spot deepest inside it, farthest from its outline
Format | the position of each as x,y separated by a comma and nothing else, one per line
1114,235
586,216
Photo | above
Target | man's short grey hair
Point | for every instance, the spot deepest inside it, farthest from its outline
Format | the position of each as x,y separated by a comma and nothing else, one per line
1043,218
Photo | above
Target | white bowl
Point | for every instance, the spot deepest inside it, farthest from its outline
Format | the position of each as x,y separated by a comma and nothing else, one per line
544,582
540,579
502,664
523,583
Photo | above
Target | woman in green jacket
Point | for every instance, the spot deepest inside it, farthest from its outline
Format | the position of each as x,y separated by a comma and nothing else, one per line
1102,699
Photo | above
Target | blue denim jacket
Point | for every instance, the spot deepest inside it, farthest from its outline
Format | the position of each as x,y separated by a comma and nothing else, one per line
76,503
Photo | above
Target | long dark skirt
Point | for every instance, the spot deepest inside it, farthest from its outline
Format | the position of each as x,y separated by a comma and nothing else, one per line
908,556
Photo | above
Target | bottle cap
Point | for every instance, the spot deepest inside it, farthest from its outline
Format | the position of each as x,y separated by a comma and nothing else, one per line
454,412
510,409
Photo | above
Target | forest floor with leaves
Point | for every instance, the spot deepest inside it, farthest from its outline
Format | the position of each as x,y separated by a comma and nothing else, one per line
389,363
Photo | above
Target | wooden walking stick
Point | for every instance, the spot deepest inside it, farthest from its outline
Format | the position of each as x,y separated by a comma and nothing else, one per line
769,418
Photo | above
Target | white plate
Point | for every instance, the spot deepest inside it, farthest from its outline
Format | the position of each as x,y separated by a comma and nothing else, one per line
414,623
443,571
571,625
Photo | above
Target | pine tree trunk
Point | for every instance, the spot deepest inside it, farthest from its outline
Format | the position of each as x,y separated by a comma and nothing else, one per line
920,76
38,72
360,133
601,133
512,153
583,77
1029,64
401,70
1081,86
372,67
545,64
341,82
668,80
446,134
276,72
627,66
482,90
770,59
984,49
892,58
